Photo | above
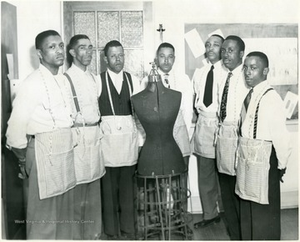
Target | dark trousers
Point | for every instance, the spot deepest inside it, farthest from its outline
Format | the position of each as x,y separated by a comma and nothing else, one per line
231,205
87,211
262,222
49,218
208,185
119,213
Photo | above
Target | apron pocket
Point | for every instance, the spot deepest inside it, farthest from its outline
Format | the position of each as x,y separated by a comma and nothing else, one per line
55,162
226,155
56,174
88,163
119,149
253,170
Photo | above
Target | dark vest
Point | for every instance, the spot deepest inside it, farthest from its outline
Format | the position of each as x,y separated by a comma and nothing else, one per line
121,102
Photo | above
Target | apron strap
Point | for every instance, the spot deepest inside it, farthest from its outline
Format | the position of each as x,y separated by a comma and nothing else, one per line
256,114
73,92
130,87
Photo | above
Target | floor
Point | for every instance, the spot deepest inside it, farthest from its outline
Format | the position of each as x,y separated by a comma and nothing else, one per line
289,228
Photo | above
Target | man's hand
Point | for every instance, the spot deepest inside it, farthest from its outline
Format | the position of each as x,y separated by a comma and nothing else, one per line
281,173
21,155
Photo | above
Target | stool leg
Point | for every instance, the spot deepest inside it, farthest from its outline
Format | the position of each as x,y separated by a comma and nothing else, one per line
169,186
160,212
145,209
183,198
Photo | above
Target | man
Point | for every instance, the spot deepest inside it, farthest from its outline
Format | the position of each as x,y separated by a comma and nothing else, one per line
39,133
231,96
264,136
119,144
206,82
165,59
86,115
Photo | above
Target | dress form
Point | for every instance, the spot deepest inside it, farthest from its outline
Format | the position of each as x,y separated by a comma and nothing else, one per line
157,108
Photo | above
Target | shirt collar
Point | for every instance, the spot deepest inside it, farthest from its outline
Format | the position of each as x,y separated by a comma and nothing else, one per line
46,71
237,70
259,87
115,76
162,73
217,64
77,69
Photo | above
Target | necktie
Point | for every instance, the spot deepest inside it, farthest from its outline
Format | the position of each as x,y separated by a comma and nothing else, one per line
166,76
224,98
247,99
207,98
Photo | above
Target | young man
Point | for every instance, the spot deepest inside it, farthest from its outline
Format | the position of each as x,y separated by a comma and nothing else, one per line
86,115
119,144
231,93
39,133
265,140
206,82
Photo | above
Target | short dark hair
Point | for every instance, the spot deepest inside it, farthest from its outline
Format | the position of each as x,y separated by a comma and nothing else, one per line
113,43
165,45
239,41
261,56
39,39
75,38
217,35
72,43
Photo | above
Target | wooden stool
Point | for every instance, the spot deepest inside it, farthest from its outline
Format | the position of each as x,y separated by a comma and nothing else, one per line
162,202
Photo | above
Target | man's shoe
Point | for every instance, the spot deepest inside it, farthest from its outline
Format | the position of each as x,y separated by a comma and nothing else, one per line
126,236
204,223
112,237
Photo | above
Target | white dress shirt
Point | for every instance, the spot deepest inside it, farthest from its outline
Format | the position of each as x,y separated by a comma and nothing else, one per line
236,94
199,82
117,80
42,104
86,87
271,123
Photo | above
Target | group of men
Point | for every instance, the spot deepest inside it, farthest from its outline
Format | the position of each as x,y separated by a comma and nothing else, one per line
77,139
241,141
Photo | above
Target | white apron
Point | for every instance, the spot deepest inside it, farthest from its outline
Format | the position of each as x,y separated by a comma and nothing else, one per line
204,136
88,164
119,143
227,140
55,162
253,164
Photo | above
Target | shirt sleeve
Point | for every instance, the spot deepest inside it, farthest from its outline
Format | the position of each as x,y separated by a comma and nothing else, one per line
140,131
136,85
274,112
24,105
144,83
187,101
99,84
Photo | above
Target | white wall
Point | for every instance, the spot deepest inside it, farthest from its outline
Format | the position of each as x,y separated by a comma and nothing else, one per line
36,16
